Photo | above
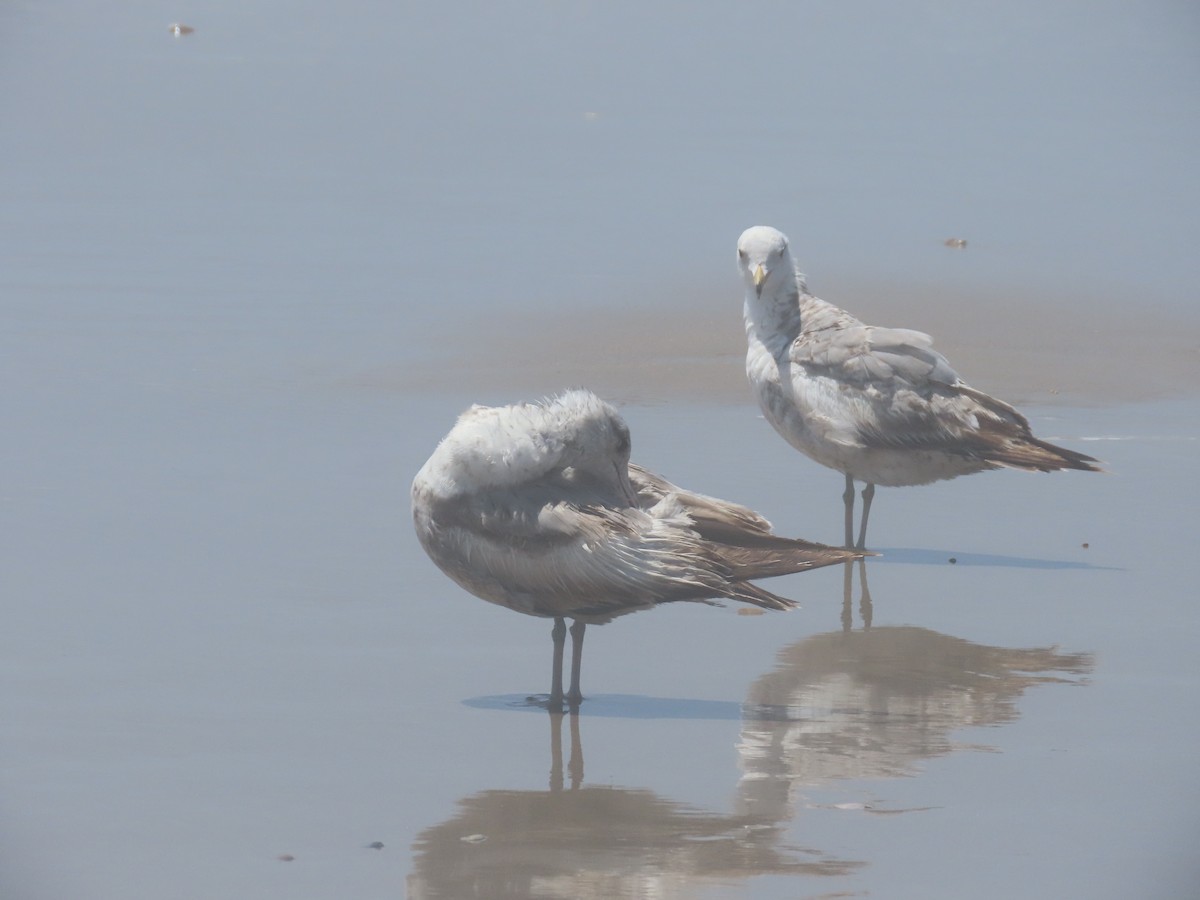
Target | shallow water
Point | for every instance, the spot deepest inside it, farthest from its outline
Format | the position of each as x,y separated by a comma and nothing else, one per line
251,275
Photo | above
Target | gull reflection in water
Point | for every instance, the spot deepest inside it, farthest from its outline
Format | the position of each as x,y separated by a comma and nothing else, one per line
874,703
838,707
587,842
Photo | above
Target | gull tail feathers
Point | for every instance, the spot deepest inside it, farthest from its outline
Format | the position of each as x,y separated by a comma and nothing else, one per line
783,556
752,593
1008,440
1042,456
1021,450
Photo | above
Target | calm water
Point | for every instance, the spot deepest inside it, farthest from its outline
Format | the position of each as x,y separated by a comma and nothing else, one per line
249,276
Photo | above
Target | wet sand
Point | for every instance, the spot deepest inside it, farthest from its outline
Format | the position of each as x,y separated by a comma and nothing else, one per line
1025,349
251,275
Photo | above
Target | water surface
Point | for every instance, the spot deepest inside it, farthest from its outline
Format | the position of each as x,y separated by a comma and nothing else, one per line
249,276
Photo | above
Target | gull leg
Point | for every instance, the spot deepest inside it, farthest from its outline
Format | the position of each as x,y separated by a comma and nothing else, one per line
577,629
868,496
559,635
848,499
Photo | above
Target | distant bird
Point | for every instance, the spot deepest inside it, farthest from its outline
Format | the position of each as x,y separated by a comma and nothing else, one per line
878,404
536,507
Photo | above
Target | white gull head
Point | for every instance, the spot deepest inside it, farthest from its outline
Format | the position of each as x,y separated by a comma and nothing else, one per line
496,447
765,261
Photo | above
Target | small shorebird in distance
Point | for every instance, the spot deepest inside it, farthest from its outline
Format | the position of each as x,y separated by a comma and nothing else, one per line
880,405
536,507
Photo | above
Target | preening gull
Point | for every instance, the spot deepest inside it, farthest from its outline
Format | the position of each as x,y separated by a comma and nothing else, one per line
878,404
536,507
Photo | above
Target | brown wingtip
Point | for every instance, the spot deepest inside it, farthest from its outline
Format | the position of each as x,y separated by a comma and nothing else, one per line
783,556
752,593
1005,438
1034,454
815,556
1069,459
1009,441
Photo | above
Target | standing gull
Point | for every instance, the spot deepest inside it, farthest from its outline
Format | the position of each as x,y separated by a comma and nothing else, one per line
536,507
878,404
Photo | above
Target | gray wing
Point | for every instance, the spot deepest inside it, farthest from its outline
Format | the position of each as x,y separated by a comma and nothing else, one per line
869,356
873,387
551,511
558,548
712,517
561,550
737,535
888,387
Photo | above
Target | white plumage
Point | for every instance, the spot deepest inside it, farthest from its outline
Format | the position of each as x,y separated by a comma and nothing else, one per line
536,507
878,404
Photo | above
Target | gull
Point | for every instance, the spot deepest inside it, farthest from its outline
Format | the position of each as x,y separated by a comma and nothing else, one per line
536,507
878,404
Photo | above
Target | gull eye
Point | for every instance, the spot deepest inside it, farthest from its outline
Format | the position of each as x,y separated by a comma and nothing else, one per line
742,254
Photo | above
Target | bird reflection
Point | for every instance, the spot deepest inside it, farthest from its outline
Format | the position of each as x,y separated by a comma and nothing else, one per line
838,708
875,702
866,609
581,841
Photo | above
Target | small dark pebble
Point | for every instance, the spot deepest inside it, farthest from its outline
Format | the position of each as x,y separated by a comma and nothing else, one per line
375,845
285,857
953,560
1084,545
